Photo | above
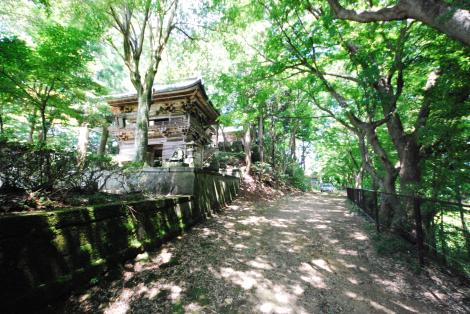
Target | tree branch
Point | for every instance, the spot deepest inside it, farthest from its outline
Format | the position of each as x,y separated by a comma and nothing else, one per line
397,12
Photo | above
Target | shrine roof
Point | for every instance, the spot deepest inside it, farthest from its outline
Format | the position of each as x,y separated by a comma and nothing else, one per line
183,89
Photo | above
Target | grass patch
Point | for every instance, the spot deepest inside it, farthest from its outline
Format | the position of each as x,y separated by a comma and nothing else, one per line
177,308
198,294
172,262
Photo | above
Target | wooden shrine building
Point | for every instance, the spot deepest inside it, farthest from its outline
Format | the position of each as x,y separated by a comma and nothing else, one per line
181,120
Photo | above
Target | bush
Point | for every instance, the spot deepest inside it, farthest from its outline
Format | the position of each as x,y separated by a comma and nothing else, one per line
263,171
33,168
232,159
297,177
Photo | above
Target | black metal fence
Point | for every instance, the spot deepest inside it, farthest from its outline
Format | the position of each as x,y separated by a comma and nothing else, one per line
439,229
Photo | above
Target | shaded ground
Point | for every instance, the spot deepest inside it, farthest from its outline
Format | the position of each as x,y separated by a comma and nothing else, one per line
302,254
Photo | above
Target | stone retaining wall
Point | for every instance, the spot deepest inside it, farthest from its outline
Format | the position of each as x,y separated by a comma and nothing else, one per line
164,181
44,255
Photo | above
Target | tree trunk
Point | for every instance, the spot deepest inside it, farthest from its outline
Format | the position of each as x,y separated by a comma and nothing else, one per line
260,137
359,177
447,18
442,238
360,168
466,234
103,140
410,172
303,156
43,135
272,133
247,147
32,119
450,20
83,138
217,136
224,139
391,213
32,127
45,159
293,144
141,126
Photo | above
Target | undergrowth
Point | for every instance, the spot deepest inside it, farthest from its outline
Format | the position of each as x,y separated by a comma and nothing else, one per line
387,244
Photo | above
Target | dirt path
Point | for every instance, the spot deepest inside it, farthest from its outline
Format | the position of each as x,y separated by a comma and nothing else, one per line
303,254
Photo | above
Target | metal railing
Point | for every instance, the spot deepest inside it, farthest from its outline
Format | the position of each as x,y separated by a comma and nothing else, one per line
438,228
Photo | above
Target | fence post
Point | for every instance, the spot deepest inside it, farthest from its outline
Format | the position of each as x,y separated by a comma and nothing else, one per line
376,207
419,229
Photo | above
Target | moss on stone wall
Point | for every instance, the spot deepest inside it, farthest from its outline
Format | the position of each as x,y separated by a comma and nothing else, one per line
45,254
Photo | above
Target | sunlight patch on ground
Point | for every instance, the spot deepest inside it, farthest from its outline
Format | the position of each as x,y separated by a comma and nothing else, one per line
276,299
312,276
321,263
253,220
240,246
193,308
317,220
297,289
348,252
121,305
373,304
389,285
321,226
333,241
163,257
208,232
432,294
260,263
359,236
246,280
406,307
229,225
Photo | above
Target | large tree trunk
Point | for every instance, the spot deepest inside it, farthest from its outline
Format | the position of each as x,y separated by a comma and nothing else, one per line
408,154
134,38
366,166
410,171
32,119
103,140
447,18
247,147
217,136
83,139
32,127
272,133
292,144
141,125
359,178
303,156
224,138
405,143
391,213
260,137
43,135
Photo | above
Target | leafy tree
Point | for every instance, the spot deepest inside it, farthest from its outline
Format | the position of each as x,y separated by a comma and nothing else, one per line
51,76
143,29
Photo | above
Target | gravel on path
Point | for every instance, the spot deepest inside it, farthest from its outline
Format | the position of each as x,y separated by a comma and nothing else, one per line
300,254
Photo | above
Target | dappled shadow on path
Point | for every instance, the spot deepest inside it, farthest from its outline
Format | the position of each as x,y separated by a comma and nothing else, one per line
303,254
